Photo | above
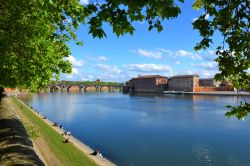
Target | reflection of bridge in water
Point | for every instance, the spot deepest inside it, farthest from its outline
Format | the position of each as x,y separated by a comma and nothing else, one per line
83,88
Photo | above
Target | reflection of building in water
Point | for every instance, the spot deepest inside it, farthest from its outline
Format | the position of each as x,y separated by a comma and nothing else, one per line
185,83
148,83
196,98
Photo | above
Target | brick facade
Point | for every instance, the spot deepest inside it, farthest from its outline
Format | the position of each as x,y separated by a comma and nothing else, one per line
150,83
185,83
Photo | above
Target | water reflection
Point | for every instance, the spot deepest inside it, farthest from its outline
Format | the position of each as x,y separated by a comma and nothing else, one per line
202,154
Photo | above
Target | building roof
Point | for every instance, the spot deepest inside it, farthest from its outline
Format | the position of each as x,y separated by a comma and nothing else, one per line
149,76
184,76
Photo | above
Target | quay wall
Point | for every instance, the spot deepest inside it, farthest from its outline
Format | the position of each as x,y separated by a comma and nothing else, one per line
210,89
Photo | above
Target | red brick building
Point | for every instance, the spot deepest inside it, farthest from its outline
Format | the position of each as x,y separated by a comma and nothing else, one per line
148,83
185,83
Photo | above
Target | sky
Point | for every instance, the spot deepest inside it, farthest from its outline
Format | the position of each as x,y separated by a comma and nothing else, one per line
169,53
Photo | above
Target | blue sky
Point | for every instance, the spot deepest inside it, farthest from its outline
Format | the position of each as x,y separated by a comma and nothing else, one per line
167,53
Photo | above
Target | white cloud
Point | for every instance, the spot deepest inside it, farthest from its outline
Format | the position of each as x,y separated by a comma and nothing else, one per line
209,55
148,67
98,58
190,72
248,71
68,76
207,16
108,68
75,62
194,19
102,58
160,52
211,52
88,77
184,53
84,2
207,66
169,52
122,77
177,62
75,71
207,74
201,73
149,54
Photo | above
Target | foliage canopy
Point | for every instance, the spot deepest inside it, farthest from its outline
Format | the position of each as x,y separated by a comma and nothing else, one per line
231,19
34,34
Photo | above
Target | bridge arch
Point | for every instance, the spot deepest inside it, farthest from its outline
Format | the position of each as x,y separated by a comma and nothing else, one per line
73,88
90,89
104,88
55,89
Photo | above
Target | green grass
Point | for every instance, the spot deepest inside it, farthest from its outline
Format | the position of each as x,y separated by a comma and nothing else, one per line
67,153
32,131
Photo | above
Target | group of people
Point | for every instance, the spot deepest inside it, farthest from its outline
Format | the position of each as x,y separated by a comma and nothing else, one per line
67,133
57,125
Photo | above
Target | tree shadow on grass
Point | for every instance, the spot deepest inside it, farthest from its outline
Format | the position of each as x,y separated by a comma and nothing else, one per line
15,146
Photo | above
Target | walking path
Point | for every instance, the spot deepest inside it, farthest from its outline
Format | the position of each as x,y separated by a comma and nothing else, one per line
221,93
81,146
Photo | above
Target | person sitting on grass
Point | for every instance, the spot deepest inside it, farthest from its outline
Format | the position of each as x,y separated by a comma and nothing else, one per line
96,152
54,124
66,140
68,133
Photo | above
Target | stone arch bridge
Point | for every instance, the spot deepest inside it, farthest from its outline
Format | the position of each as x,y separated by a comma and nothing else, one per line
83,88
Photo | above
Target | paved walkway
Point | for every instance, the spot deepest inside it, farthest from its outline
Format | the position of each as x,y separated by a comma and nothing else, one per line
221,93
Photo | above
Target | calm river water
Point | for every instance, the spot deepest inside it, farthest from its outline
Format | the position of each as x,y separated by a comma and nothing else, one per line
149,130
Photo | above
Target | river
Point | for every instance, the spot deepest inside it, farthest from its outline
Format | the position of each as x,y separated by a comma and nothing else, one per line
152,130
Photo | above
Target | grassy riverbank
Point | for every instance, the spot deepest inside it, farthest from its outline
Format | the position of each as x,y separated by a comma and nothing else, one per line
68,154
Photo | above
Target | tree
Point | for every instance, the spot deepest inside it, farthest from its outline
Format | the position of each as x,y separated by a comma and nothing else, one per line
31,51
231,19
34,34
